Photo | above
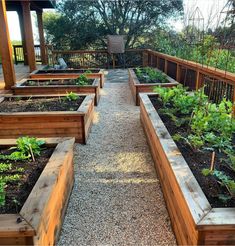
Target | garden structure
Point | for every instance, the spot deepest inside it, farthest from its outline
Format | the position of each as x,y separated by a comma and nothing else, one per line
69,73
159,173
58,86
145,79
40,217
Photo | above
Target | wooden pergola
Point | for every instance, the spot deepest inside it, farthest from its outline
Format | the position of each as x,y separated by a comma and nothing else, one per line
23,8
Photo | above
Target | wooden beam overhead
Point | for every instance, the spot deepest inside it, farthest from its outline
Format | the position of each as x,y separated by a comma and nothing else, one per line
6,49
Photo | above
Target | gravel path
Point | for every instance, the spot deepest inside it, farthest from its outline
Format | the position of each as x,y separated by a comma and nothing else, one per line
117,198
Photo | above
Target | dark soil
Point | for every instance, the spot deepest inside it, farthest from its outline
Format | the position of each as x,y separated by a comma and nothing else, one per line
54,71
35,82
197,160
33,104
146,80
18,191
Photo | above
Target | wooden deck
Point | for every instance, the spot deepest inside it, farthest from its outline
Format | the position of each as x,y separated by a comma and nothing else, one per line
21,73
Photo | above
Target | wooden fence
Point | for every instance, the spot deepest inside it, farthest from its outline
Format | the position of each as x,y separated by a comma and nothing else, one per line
99,58
218,84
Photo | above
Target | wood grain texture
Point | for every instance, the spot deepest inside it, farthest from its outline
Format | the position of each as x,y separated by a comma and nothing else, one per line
193,220
99,75
136,87
21,89
43,212
49,124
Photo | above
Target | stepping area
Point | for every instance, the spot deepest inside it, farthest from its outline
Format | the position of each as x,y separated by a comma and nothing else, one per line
117,199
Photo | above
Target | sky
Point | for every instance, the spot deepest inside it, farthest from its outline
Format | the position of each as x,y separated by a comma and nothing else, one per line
205,6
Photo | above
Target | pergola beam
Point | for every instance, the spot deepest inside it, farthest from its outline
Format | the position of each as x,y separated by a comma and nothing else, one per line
6,49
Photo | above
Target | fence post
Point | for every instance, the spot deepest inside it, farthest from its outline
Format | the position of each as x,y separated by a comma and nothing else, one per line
178,72
145,59
15,55
165,66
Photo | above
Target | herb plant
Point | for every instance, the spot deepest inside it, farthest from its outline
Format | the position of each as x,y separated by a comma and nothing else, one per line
72,96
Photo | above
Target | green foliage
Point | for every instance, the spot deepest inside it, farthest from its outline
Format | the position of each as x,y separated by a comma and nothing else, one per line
28,146
2,193
15,156
4,167
82,80
10,178
72,96
84,24
223,180
211,126
150,75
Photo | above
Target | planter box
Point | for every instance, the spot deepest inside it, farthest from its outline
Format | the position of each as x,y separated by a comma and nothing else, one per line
136,87
193,219
21,89
41,217
49,124
68,73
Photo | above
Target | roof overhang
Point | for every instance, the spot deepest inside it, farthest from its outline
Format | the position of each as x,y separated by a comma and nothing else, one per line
14,5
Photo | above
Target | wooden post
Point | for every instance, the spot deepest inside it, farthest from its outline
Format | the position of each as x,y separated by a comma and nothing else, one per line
197,80
6,49
41,37
166,66
21,22
145,59
178,73
28,35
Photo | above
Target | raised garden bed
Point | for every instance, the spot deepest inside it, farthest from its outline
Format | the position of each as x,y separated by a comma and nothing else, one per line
137,86
69,73
57,86
46,116
39,219
194,220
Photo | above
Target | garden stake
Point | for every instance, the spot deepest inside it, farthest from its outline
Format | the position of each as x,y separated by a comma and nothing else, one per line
213,161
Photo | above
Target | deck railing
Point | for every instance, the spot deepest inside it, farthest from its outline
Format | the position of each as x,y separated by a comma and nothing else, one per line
19,53
99,58
218,84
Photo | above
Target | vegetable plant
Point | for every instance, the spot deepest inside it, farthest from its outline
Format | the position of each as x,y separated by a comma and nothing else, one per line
28,147
151,75
82,80
72,96
211,126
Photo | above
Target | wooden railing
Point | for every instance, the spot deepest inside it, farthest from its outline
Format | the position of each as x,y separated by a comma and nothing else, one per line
218,84
99,58
19,53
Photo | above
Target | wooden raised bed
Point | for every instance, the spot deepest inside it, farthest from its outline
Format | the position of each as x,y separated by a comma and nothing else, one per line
136,87
68,73
21,89
49,124
41,217
193,219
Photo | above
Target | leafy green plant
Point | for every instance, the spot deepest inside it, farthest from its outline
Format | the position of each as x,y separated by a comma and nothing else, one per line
151,75
15,156
2,193
72,96
222,179
88,71
10,178
82,80
28,146
5,167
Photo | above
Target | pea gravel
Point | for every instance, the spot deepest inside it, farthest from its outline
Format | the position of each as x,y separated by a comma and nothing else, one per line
116,198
